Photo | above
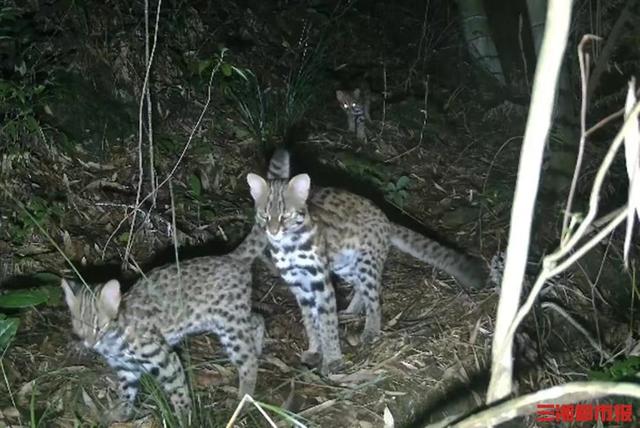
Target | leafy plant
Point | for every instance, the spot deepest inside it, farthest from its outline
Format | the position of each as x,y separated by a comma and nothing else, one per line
26,88
18,299
364,168
21,299
626,369
396,192
301,83
45,214
269,111
251,102
195,187
8,329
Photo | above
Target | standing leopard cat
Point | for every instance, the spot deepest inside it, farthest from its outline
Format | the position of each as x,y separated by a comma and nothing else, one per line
313,232
356,104
135,332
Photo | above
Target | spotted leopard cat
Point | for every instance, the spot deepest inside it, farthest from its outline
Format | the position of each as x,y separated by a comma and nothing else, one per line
135,332
356,104
313,232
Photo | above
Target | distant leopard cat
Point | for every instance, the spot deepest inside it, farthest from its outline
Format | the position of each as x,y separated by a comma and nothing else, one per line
315,231
135,332
356,105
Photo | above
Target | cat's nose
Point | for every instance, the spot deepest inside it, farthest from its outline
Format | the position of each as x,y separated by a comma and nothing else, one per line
273,226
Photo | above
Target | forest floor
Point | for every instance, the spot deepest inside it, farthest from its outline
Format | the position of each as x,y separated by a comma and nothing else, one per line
444,155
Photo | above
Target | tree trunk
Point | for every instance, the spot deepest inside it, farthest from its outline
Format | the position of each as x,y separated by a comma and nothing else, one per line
478,37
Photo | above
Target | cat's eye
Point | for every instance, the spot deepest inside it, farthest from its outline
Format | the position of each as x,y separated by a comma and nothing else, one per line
353,104
345,105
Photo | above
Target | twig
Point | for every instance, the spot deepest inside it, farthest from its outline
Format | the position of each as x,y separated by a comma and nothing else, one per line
594,198
245,399
525,66
398,156
538,124
175,238
550,270
182,154
425,110
152,172
583,59
318,408
604,353
603,122
145,84
384,99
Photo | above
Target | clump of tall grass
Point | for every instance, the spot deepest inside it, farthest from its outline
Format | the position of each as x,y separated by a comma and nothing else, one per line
268,111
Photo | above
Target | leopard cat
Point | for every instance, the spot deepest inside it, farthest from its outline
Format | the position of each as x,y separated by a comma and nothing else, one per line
135,333
356,104
313,232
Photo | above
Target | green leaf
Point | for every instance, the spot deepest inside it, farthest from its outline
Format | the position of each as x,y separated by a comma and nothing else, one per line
46,278
23,298
32,124
8,329
238,71
195,186
203,65
226,69
123,238
402,182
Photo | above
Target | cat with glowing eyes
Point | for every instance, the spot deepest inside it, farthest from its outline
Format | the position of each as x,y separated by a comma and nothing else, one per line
356,106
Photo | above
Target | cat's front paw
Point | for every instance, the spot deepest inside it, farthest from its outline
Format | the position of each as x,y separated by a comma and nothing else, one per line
311,358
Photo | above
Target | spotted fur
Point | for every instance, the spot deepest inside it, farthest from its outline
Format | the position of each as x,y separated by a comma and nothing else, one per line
315,231
135,332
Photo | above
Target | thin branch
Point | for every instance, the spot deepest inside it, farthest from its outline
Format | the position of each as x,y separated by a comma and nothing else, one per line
583,59
145,84
182,154
603,352
538,124
550,270
152,172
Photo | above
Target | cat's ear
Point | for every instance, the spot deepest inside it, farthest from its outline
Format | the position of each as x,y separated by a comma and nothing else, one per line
69,295
258,187
299,187
356,93
109,299
340,96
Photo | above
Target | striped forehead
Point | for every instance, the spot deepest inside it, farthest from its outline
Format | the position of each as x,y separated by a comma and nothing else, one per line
275,198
